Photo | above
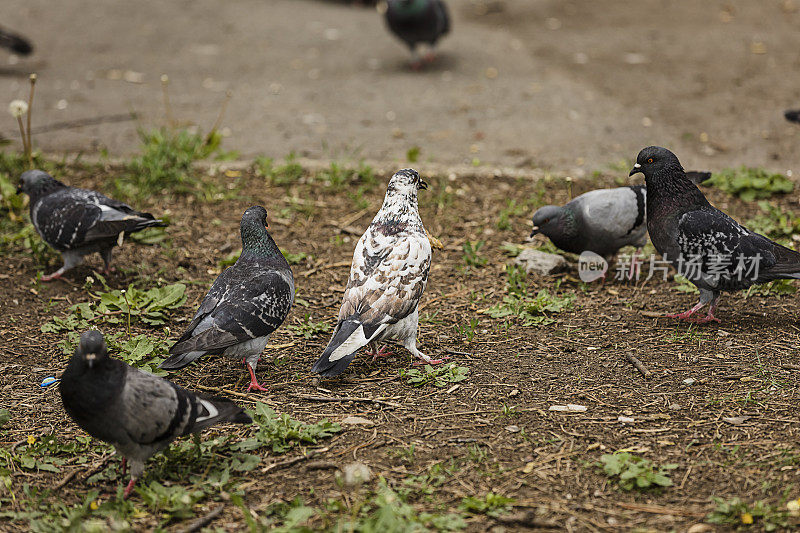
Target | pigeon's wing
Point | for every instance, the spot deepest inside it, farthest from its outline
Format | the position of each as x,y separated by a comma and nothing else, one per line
153,410
387,277
729,252
443,16
245,302
73,218
15,43
614,212
792,115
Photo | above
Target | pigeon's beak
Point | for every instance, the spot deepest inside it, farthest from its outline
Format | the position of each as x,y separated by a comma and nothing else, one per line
422,184
636,168
90,359
534,231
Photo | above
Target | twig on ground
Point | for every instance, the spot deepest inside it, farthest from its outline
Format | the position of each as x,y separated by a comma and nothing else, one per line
293,461
638,364
325,267
346,399
203,521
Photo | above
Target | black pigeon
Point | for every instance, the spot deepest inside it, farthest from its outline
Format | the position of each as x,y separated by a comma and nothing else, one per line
600,221
704,244
418,22
792,115
137,412
16,43
246,303
76,221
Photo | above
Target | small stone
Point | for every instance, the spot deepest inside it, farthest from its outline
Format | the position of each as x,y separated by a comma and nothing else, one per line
512,429
354,474
541,262
688,381
357,421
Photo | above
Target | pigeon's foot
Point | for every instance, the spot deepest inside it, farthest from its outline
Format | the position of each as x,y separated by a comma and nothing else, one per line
254,385
425,360
55,275
429,57
123,466
704,320
129,488
108,270
383,351
415,65
686,314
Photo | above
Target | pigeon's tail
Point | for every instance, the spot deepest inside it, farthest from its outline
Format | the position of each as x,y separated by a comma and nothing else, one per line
787,263
180,360
350,335
697,177
792,115
15,43
211,411
146,223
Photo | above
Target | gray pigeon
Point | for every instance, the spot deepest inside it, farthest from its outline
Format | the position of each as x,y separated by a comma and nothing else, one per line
792,115
388,275
246,303
600,221
77,222
16,43
137,412
704,244
418,22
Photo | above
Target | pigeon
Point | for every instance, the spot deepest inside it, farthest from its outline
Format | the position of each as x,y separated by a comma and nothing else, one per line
704,244
137,412
600,221
792,115
16,43
418,21
246,303
77,222
387,278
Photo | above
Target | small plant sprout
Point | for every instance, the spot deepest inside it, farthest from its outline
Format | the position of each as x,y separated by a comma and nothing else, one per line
167,107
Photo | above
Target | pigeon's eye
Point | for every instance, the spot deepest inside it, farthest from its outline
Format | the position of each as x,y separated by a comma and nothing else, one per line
649,159
546,220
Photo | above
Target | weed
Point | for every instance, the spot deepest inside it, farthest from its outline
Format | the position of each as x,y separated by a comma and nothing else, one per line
509,411
471,257
750,184
165,163
439,376
775,223
634,472
468,330
282,433
288,173
308,329
736,513
412,154
511,249
475,453
491,504
684,285
406,454
778,287
531,310
512,209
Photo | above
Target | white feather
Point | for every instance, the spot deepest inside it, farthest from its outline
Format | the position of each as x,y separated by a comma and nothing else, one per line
212,411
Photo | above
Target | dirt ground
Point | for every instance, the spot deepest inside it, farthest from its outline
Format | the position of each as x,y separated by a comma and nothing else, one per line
560,84
545,460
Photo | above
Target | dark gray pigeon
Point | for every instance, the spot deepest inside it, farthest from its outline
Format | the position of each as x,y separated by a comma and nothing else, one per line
77,222
137,412
16,43
418,22
704,244
246,303
600,221
792,115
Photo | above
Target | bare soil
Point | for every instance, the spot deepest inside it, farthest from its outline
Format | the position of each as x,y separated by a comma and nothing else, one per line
545,460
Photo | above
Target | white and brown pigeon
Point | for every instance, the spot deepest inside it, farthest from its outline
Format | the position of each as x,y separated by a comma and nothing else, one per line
77,222
246,303
705,245
418,22
137,412
387,278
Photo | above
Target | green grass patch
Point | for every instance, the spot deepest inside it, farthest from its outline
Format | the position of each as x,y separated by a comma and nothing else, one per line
750,184
634,472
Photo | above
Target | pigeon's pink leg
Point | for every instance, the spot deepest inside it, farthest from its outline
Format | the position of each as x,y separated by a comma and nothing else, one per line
428,361
124,466
383,351
429,57
253,381
129,488
55,275
686,314
708,318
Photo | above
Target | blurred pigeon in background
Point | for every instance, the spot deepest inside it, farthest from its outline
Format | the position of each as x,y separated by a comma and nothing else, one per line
16,43
387,277
704,244
137,412
418,22
792,115
246,303
77,222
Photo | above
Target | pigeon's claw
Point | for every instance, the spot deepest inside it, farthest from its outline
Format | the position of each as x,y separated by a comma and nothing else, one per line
430,362
429,57
686,314
383,351
128,489
254,385
50,277
704,320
